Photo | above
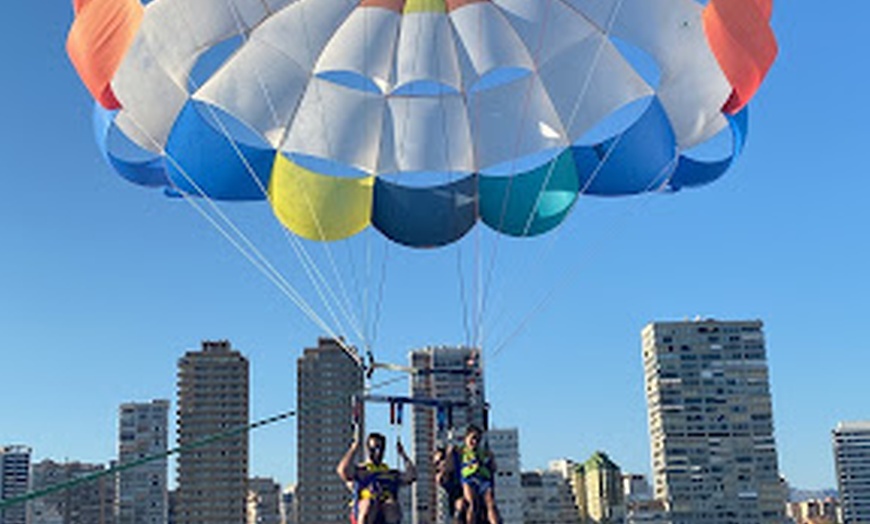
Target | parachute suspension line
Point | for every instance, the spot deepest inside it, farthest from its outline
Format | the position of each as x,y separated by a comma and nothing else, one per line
539,260
305,260
311,270
249,250
487,283
345,307
460,277
544,254
380,295
478,292
241,242
477,338
327,249
112,471
452,177
658,184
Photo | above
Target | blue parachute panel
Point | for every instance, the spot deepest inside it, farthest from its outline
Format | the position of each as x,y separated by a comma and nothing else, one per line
691,172
205,161
530,203
425,217
639,159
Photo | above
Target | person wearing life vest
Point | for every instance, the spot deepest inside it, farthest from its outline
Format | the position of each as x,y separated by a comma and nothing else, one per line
477,471
446,463
375,484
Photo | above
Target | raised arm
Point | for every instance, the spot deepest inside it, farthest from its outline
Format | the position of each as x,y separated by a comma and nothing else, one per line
346,468
409,475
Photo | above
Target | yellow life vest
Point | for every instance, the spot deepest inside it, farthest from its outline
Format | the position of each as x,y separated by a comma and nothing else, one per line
379,482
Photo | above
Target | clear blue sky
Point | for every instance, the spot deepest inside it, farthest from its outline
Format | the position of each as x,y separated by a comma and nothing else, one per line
103,285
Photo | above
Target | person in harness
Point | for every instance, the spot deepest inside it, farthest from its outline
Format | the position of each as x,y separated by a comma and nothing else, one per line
375,485
446,462
476,473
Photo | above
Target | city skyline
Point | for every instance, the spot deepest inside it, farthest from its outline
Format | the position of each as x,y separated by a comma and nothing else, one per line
381,423
104,284
701,338
138,450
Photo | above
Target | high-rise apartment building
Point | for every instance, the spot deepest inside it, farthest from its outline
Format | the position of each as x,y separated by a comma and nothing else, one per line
264,502
710,420
598,490
14,482
640,506
87,502
452,374
212,399
548,496
290,504
852,461
814,511
505,447
328,377
142,491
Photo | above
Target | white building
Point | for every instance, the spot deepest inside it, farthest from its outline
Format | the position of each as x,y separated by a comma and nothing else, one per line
710,420
450,374
505,447
14,482
852,461
142,492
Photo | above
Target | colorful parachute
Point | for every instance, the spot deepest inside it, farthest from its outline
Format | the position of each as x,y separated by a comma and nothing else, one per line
418,117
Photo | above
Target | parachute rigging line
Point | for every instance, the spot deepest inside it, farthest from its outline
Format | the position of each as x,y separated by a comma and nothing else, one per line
552,165
249,250
560,283
345,308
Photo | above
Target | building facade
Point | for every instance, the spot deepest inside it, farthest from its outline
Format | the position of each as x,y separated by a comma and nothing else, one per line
814,511
87,502
14,482
598,490
505,447
640,506
548,496
713,452
452,374
213,396
142,492
328,377
264,502
852,462
290,505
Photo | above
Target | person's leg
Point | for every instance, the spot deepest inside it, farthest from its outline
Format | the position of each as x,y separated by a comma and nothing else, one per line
364,513
471,508
391,512
491,510
460,507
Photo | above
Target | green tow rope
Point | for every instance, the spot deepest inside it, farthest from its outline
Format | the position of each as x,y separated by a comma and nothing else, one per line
6,503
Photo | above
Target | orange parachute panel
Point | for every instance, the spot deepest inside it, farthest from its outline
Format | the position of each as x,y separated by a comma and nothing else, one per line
98,40
740,35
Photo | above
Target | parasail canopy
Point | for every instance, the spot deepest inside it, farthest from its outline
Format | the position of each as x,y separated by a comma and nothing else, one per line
419,118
